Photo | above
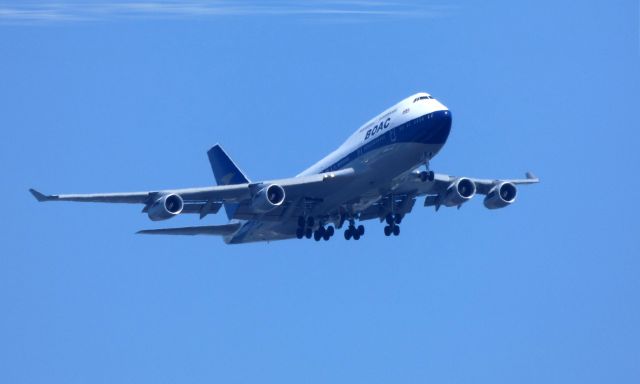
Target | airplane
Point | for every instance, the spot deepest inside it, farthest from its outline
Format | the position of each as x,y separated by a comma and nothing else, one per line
377,173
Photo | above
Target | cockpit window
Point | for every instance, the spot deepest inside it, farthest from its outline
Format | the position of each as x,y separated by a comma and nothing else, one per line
422,98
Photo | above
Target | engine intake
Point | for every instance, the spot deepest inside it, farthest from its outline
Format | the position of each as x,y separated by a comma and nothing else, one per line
500,196
165,207
268,198
459,192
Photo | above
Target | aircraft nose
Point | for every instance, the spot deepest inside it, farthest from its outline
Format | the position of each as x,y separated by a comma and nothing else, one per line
440,128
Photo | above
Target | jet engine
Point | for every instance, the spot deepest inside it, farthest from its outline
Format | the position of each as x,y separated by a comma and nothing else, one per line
459,192
165,207
500,196
268,198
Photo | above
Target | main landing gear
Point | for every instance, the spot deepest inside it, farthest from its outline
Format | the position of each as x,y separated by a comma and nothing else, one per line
427,175
393,225
353,232
305,229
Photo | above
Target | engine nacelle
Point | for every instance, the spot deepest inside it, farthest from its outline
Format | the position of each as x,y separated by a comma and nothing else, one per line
268,198
500,196
459,192
165,207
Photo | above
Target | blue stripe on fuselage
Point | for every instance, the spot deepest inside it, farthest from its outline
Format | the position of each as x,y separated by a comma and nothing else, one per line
432,128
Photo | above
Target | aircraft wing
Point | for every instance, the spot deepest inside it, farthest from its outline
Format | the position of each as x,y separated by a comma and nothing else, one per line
211,230
483,186
414,184
439,189
211,198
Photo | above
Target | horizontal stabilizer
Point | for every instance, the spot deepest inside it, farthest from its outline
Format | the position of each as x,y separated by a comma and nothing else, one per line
211,230
40,196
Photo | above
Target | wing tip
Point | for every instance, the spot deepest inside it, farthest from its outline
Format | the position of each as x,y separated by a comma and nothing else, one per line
40,196
532,177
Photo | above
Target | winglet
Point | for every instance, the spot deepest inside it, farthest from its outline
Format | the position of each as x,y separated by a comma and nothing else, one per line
531,176
40,196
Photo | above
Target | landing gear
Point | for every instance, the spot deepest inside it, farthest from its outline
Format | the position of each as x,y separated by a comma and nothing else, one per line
393,219
305,229
328,233
323,233
427,176
392,230
392,226
353,232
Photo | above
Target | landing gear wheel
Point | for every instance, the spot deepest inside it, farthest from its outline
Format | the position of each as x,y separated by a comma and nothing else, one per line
356,236
396,230
317,235
360,230
299,233
387,230
347,234
310,221
389,219
398,218
326,236
308,233
330,230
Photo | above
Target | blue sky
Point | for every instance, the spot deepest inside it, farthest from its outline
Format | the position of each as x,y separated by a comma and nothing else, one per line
121,96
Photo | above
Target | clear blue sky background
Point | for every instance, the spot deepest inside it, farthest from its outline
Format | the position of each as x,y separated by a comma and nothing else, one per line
121,97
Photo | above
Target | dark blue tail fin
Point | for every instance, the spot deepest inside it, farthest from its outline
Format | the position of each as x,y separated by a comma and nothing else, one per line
226,172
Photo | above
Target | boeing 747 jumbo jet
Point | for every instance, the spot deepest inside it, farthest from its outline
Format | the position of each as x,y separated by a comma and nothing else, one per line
376,174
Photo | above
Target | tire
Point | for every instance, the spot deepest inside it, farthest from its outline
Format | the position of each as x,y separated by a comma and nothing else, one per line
356,236
308,233
299,233
321,231
387,230
330,231
310,221
389,219
347,235
326,236
396,230
317,235
360,230
398,218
